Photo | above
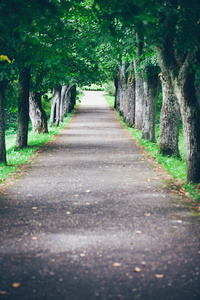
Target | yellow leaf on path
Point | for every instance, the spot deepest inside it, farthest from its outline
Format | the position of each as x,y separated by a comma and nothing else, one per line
16,284
137,270
82,254
147,214
34,238
159,275
116,264
138,231
148,179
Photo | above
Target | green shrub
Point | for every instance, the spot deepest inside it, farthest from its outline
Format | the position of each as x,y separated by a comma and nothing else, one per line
109,88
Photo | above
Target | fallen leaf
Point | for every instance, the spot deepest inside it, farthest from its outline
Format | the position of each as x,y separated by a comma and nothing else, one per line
68,212
159,275
137,270
82,254
116,264
137,231
34,238
147,214
87,191
3,292
16,284
148,179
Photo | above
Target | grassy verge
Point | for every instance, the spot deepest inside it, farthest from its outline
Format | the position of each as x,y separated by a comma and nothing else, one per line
35,141
174,166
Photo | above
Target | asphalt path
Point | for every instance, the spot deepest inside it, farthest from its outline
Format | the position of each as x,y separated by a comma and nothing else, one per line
91,219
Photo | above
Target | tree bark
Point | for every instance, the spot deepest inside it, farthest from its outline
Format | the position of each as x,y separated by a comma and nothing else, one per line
182,79
55,106
151,91
117,92
130,101
23,109
3,84
73,96
139,87
185,92
62,102
169,121
37,113
122,88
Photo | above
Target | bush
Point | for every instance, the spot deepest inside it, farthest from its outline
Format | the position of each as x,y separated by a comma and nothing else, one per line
93,87
109,87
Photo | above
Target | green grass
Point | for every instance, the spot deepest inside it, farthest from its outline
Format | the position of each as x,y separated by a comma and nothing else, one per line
110,99
35,142
174,166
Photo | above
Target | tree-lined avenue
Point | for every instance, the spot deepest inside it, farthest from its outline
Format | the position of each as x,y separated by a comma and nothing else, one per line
91,219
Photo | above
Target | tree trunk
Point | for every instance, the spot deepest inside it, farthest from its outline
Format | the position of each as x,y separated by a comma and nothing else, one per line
67,101
117,92
37,113
185,92
55,106
151,91
182,79
23,109
139,87
3,84
169,121
130,108
73,96
122,88
62,102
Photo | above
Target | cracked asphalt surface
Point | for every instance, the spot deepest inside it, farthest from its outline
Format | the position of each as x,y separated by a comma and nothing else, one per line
91,219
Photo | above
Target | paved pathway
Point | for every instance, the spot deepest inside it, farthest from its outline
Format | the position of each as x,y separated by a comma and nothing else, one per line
90,219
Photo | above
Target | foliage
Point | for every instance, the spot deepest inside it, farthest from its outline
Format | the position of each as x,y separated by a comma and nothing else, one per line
93,87
11,102
109,88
